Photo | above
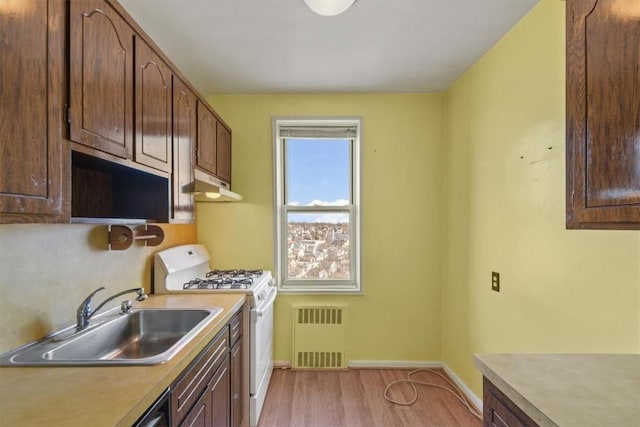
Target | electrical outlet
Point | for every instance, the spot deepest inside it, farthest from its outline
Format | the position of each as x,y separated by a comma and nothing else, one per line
495,281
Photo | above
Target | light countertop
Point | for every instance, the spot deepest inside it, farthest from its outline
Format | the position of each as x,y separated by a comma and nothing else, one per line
104,396
569,390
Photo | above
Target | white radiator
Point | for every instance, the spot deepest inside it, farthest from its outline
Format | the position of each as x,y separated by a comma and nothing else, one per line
319,337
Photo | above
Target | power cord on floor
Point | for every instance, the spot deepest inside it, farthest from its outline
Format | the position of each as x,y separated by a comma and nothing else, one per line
453,390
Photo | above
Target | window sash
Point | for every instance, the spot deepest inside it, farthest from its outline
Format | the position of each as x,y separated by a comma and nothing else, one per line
315,283
285,168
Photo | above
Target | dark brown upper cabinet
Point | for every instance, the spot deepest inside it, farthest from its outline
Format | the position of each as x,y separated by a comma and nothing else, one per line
207,139
33,157
223,153
101,78
184,139
153,97
92,128
603,114
213,152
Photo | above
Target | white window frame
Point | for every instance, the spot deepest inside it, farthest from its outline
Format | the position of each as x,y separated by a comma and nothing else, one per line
281,210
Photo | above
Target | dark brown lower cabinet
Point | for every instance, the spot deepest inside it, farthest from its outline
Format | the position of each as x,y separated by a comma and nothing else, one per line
209,391
500,411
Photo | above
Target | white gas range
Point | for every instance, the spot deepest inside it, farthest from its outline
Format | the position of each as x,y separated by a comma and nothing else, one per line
186,269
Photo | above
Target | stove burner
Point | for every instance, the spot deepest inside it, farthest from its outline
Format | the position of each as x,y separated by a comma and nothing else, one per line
234,273
229,283
220,283
239,283
200,284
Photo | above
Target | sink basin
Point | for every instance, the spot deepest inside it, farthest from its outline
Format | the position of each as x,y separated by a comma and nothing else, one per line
142,337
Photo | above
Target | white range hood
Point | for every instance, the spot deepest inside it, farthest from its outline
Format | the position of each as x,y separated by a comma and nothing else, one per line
210,189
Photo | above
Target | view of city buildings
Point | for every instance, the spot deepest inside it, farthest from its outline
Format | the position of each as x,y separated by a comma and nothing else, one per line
318,250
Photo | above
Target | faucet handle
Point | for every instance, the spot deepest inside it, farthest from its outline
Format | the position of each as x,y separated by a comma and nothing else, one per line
141,295
84,310
125,306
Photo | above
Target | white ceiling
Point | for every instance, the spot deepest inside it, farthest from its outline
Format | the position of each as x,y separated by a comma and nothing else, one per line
275,46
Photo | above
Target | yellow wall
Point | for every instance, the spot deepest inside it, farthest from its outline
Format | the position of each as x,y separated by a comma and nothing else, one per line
562,291
47,270
399,315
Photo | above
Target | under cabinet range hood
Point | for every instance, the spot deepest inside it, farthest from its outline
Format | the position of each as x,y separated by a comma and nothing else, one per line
210,189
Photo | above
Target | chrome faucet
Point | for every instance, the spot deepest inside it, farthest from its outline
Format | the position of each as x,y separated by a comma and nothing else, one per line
85,313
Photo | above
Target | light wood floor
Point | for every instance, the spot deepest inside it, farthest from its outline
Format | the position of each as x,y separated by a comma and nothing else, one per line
354,398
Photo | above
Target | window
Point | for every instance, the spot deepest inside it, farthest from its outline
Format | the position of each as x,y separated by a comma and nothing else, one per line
317,203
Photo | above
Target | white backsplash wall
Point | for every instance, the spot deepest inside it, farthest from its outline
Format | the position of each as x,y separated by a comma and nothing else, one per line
46,271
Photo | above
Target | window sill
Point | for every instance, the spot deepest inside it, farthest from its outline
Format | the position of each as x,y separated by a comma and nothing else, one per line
315,291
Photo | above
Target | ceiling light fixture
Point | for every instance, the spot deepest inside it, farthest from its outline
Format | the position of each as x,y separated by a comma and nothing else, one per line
329,7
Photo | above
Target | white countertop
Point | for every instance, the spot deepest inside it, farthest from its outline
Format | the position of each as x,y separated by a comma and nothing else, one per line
569,390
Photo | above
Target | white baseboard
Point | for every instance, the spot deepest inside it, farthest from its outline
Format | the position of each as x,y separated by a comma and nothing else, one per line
375,364
477,402
403,364
393,364
281,364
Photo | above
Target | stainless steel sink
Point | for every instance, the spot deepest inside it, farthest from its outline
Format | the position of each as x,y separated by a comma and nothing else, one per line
141,337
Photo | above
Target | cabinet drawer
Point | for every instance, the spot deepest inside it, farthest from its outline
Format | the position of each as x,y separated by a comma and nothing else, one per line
190,386
235,325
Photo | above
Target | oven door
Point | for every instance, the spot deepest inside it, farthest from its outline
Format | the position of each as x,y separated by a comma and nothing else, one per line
261,355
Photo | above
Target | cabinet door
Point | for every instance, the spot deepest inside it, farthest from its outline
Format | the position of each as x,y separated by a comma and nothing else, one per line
184,138
218,391
603,114
207,138
101,78
200,414
223,153
153,109
236,385
32,155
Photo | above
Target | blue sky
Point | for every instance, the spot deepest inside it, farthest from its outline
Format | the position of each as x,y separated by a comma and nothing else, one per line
318,170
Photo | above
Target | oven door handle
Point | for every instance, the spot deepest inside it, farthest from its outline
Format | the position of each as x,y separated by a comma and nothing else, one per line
266,305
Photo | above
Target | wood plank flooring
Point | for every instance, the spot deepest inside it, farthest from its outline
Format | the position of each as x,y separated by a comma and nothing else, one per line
354,398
